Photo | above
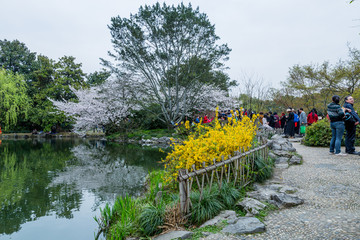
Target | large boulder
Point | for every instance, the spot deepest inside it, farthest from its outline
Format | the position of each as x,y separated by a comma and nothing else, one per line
272,155
245,225
251,205
281,160
228,215
263,194
277,194
175,235
283,200
295,160
282,188
279,143
281,153
281,165
164,140
288,189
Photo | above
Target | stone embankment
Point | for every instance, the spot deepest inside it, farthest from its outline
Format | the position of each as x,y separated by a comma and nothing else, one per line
155,142
12,136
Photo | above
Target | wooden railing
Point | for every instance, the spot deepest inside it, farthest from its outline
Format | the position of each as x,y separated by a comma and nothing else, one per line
237,169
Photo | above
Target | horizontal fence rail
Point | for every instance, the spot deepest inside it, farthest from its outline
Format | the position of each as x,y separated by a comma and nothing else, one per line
237,169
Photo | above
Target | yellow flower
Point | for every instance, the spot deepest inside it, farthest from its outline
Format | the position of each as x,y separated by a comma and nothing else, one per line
208,142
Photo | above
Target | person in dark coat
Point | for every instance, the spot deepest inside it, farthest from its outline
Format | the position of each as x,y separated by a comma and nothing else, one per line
282,120
271,120
290,124
351,128
336,115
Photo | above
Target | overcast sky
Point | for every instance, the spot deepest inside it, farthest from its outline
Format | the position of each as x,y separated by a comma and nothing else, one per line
266,36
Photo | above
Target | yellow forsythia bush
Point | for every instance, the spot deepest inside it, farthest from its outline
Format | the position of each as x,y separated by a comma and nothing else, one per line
209,142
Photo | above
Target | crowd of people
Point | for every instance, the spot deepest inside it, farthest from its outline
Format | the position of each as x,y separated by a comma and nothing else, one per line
293,122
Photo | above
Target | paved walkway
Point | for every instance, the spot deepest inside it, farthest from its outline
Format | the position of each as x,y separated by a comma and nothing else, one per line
330,186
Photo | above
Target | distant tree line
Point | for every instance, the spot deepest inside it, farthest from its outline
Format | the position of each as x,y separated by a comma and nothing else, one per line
29,80
166,65
307,86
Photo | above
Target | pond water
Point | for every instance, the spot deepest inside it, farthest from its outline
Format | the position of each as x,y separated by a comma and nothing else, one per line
52,189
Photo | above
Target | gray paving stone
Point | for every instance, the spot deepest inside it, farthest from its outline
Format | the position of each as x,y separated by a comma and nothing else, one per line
175,235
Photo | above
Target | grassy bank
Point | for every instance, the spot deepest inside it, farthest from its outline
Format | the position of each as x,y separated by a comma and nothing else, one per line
158,210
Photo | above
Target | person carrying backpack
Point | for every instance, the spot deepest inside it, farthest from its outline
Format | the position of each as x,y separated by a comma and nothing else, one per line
350,126
336,116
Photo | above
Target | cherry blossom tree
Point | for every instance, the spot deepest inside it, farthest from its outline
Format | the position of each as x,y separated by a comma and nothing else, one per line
108,103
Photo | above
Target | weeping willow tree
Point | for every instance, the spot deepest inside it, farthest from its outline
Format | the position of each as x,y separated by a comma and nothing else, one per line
14,102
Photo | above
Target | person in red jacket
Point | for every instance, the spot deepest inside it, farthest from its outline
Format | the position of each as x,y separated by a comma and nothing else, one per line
312,117
206,120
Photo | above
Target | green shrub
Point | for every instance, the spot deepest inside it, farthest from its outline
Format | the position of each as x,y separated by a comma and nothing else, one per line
318,134
120,220
228,195
151,218
207,208
262,169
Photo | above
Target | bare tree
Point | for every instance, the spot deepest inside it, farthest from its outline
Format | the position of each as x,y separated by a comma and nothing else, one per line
253,91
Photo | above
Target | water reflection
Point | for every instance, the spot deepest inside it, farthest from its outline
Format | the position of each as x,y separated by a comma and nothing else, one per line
48,178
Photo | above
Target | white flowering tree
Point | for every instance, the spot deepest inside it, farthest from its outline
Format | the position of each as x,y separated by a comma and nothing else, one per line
180,101
108,103
211,97
173,50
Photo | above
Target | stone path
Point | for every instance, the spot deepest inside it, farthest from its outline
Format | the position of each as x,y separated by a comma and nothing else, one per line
330,186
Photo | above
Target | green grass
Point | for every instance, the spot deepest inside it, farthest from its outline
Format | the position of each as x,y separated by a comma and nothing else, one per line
138,134
263,213
151,218
155,184
208,207
148,134
228,195
263,169
119,221
212,229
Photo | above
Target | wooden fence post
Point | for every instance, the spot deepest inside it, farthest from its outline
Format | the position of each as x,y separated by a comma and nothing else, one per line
182,192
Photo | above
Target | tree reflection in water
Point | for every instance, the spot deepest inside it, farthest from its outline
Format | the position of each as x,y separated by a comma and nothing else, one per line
47,178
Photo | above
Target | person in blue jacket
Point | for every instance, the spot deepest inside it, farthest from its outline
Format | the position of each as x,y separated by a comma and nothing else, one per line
296,121
351,128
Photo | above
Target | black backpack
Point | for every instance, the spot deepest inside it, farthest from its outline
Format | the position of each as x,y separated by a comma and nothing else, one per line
349,120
